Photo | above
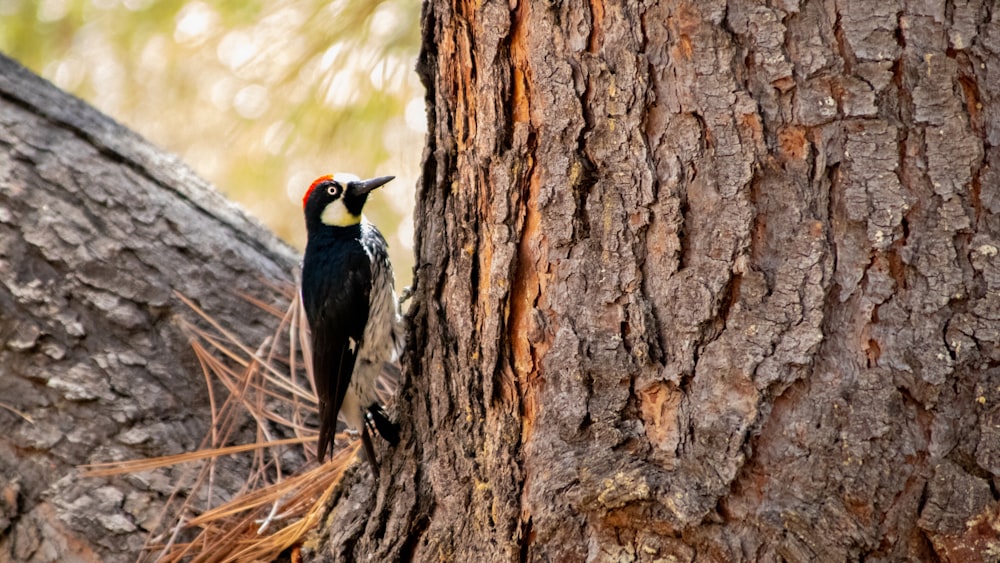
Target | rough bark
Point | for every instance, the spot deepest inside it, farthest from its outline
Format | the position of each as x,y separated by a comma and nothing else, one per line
708,281
98,229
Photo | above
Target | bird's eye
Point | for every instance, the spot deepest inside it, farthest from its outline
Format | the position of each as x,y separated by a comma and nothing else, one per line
333,190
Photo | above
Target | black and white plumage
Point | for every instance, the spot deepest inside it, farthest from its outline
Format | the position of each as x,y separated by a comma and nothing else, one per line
351,307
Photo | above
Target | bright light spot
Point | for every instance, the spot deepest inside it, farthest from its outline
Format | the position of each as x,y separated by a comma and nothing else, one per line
388,74
330,56
276,136
194,22
404,232
236,49
341,91
286,54
297,184
222,93
203,158
416,115
378,75
384,21
67,73
333,8
400,196
251,101
284,20
52,10
153,56
108,79
137,5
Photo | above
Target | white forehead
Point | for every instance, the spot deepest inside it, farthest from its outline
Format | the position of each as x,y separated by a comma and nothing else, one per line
343,178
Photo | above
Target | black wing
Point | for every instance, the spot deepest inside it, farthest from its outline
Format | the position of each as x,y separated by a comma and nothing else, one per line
335,293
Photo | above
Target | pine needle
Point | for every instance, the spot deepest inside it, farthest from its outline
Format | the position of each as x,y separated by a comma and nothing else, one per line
136,465
9,408
271,387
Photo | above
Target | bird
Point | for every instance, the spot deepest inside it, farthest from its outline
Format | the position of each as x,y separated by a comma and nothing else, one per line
351,308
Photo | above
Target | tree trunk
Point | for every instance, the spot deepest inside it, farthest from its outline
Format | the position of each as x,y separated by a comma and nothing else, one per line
700,281
98,229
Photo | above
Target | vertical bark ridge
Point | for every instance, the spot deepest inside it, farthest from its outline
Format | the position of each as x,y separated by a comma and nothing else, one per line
717,279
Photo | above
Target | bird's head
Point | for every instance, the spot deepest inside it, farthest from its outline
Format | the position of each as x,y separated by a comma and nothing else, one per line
337,200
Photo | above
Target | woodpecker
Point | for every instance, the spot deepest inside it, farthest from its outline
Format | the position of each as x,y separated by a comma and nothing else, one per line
351,307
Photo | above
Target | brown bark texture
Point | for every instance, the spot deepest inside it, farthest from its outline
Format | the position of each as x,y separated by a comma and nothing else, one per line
98,229
700,281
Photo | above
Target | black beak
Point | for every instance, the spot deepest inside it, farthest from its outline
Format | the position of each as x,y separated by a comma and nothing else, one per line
362,187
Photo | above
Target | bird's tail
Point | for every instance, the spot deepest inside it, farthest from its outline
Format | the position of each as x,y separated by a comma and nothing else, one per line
327,430
387,429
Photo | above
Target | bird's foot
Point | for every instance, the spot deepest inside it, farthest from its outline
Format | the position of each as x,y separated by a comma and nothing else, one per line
407,293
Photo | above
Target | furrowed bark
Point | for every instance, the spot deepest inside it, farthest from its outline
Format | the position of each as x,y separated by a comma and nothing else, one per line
702,281
98,230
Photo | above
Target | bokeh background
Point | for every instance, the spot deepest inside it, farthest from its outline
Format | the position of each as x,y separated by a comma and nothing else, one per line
259,97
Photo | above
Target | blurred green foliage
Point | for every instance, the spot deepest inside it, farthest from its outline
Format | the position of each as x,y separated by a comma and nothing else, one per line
259,96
